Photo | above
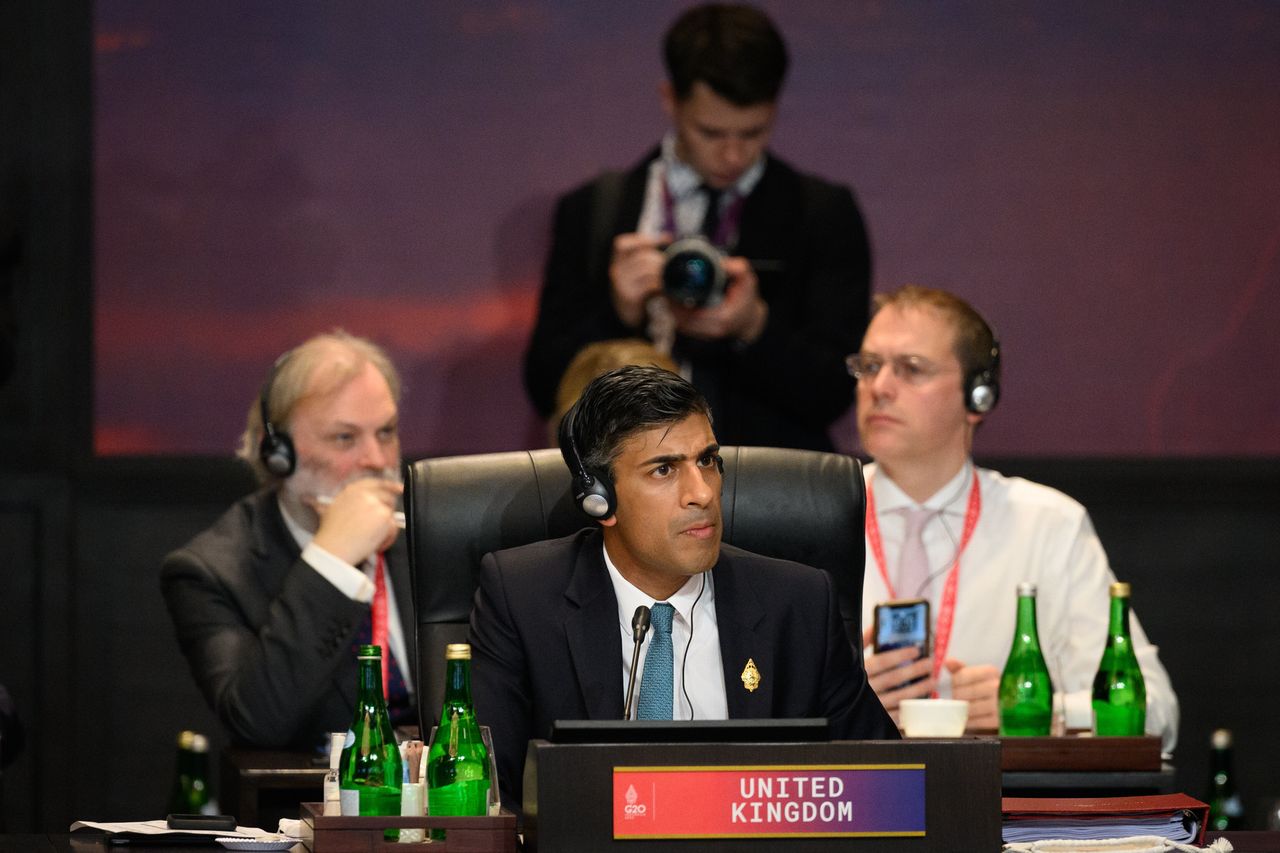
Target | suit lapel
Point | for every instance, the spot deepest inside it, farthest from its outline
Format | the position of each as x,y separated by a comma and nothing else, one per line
744,637
271,538
591,630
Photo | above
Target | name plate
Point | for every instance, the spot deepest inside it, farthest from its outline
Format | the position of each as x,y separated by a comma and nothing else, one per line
769,801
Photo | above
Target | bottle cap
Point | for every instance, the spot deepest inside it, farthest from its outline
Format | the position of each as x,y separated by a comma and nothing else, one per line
1120,589
457,651
199,743
1026,588
185,739
369,652
1222,739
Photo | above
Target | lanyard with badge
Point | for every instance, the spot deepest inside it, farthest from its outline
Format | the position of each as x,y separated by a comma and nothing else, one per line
947,610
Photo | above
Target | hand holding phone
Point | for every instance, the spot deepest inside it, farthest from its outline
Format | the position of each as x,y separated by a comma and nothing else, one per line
902,624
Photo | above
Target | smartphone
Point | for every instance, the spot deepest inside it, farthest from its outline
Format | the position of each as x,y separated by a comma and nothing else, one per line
902,623
208,822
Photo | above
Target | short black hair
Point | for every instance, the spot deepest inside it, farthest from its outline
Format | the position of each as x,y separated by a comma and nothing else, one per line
735,49
620,403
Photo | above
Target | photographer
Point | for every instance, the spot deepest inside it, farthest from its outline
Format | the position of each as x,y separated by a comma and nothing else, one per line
766,352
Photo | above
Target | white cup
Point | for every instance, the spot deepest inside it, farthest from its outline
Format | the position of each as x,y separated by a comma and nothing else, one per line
933,717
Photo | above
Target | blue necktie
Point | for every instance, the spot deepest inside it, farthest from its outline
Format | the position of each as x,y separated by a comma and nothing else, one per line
656,686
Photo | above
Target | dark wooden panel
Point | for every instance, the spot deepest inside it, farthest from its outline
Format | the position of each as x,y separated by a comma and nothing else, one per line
35,652
138,689
45,210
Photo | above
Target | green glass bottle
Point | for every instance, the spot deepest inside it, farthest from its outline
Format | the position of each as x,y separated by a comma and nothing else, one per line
458,762
370,771
190,794
1225,809
1026,692
1119,690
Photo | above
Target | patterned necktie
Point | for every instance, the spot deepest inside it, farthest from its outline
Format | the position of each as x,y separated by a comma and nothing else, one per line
913,564
656,688
374,630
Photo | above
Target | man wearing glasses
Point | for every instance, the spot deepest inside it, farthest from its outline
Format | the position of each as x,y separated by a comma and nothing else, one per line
961,537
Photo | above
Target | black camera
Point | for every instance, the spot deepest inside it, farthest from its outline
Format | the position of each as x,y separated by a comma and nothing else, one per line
693,272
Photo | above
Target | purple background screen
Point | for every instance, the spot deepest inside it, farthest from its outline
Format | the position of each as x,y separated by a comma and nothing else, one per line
1101,180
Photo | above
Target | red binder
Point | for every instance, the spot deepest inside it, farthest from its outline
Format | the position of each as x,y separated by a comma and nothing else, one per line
1106,809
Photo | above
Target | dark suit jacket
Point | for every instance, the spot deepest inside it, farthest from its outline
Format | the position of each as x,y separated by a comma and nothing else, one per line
267,637
546,645
785,389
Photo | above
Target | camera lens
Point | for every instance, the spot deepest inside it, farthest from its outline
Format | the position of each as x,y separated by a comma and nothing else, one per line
693,274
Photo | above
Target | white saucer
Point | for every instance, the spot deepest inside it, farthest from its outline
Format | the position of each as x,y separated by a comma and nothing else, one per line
257,844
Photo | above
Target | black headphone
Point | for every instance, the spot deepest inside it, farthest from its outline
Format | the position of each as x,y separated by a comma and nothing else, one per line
592,491
982,386
276,448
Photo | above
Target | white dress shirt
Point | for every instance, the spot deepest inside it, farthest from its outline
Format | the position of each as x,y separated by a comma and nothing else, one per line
1026,532
684,184
355,583
698,673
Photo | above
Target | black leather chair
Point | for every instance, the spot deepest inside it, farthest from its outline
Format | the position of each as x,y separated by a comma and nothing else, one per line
793,504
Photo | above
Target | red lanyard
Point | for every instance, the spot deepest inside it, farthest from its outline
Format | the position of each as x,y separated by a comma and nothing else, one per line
947,610
379,619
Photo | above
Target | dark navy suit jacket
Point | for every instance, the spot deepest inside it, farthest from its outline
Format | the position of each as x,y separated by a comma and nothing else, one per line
546,645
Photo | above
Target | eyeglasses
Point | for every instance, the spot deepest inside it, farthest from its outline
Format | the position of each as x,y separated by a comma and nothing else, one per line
911,369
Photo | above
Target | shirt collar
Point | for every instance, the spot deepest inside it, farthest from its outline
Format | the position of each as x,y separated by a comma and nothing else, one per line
300,534
949,498
629,597
684,181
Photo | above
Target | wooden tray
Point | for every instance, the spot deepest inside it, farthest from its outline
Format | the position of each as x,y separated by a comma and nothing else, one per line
323,834
1080,753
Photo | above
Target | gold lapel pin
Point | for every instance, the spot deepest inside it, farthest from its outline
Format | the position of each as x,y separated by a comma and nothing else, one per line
750,676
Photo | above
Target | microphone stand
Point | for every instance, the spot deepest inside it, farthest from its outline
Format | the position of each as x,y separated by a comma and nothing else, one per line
639,627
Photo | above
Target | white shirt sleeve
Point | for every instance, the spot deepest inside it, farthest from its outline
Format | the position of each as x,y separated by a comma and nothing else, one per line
349,580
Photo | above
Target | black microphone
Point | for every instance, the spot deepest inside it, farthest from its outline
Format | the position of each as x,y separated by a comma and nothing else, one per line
639,627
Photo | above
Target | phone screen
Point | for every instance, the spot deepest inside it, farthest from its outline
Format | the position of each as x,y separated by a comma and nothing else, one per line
902,623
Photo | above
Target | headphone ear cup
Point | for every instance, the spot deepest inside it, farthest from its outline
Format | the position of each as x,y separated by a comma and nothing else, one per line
981,393
277,454
594,495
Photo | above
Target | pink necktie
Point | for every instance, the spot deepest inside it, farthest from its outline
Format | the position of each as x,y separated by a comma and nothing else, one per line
913,564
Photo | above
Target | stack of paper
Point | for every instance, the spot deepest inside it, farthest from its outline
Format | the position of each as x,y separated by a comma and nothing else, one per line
1176,817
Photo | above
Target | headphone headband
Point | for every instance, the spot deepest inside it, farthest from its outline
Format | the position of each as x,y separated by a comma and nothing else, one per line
592,491
275,451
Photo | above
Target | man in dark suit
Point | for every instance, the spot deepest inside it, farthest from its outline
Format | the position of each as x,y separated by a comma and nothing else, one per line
768,356
551,628
269,602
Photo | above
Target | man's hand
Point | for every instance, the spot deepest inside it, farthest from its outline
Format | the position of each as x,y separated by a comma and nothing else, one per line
981,686
360,521
886,672
741,315
636,274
